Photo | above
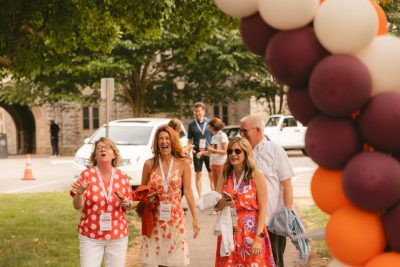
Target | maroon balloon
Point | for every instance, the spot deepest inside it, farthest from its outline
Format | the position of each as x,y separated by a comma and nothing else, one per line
380,122
301,105
331,142
371,181
391,226
291,55
340,85
256,33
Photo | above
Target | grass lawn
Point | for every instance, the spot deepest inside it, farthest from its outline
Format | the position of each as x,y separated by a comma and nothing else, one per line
40,230
315,219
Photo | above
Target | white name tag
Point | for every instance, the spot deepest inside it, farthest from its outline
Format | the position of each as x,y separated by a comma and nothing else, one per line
202,144
105,222
234,217
165,211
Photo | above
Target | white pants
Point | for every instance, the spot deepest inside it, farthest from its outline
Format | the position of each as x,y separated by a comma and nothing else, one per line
92,251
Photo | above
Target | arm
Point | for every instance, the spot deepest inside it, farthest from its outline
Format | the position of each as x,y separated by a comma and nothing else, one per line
146,172
287,193
219,151
262,198
261,187
223,202
187,185
77,189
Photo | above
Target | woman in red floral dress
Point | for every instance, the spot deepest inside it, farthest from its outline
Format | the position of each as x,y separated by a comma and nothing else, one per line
165,173
248,190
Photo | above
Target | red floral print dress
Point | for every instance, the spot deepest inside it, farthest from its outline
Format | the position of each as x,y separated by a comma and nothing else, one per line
168,243
247,216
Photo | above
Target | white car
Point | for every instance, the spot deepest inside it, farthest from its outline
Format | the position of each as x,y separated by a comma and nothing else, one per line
286,131
134,139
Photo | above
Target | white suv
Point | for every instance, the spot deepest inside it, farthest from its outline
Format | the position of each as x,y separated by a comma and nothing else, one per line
134,139
286,131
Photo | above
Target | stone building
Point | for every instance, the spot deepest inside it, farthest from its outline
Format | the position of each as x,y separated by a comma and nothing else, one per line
27,128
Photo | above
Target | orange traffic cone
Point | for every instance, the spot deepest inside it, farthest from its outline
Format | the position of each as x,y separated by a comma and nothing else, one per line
28,169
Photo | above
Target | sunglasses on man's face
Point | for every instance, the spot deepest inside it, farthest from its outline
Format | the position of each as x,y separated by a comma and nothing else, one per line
236,150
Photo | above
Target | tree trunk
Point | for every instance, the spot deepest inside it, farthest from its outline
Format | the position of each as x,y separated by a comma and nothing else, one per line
135,89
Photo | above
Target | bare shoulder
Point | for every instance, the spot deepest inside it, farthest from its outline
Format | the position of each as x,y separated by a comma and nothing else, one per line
184,162
258,176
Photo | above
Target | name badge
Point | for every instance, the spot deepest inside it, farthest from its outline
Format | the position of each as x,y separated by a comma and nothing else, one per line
165,211
105,222
202,144
234,217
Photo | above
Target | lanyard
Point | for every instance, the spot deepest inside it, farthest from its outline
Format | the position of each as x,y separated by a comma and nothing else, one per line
107,195
237,185
166,179
204,126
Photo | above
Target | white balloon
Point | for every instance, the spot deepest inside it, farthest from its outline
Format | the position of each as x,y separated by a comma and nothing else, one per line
336,263
382,58
237,8
344,26
288,14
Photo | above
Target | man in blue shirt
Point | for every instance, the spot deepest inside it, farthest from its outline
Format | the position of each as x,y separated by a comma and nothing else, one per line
199,138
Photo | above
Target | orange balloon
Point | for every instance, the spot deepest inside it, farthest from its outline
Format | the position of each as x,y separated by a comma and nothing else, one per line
354,236
382,20
327,190
389,259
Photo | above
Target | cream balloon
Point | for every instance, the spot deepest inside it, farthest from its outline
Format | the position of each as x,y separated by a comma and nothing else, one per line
336,263
288,14
344,26
382,58
237,8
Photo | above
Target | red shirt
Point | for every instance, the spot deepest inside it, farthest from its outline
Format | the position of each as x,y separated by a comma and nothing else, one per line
95,203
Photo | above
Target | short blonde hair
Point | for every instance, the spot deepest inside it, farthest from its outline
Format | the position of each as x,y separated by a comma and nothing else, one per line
107,141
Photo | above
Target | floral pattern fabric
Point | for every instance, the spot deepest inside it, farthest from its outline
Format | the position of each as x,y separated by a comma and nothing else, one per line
244,234
168,243
95,203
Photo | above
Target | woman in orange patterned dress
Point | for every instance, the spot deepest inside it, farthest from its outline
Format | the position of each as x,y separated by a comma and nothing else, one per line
245,191
165,173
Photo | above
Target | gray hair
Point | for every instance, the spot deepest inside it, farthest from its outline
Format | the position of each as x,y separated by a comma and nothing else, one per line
254,120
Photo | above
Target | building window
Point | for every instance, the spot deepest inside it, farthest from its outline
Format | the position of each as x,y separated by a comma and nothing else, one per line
225,114
216,111
221,112
86,119
96,123
90,116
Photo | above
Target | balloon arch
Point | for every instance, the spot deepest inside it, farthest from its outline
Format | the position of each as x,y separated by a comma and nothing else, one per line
342,70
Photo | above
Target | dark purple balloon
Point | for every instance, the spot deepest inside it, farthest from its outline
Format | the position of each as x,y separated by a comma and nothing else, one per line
292,55
331,142
371,181
380,122
340,85
391,226
301,106
256,33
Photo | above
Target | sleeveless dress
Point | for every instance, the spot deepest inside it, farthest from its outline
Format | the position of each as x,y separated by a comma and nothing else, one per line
247,216
168,244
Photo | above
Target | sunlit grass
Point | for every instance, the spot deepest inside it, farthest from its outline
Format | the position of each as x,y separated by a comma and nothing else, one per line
40,230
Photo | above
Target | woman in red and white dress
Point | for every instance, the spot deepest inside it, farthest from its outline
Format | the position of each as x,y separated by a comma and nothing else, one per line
103,227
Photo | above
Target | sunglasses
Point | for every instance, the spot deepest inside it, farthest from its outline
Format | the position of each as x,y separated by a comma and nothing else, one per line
236,150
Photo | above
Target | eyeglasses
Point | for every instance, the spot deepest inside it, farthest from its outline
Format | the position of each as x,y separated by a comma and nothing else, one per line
244,131
236,150
106,147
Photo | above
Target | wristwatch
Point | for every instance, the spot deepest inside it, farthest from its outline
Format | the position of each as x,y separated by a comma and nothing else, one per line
261,235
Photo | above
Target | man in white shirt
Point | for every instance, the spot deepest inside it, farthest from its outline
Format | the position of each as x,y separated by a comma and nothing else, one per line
273,161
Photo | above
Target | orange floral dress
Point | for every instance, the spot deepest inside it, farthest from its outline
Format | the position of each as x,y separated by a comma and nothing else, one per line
168,244
247,216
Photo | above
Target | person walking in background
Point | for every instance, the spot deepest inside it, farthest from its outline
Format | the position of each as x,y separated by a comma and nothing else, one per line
200,138
273,161
176,124
216,151
165,173
103,228
244,190
54,130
